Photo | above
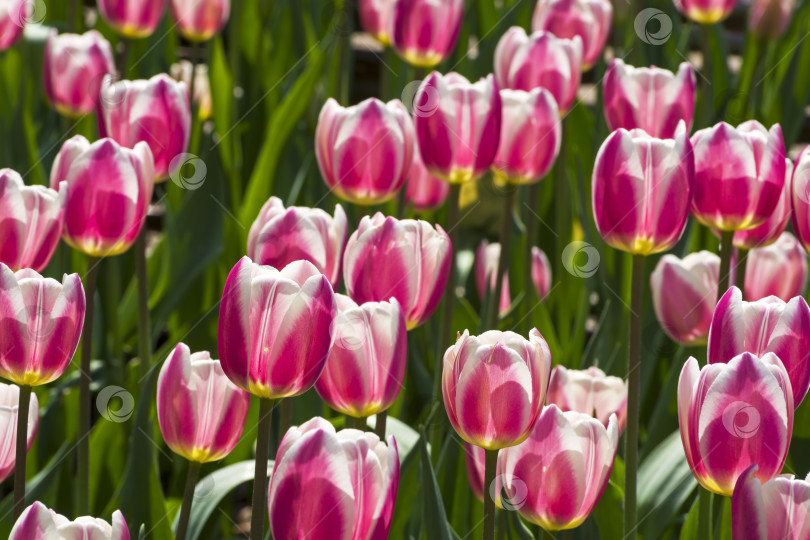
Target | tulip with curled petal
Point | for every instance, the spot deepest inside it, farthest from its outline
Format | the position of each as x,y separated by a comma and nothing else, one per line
779,269
39,522
487,257
590,392
778,509
541,272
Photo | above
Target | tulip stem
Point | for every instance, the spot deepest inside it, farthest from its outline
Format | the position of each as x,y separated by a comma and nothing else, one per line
260,472
742,266
144,330
284,416
83,465
188,498
490,468
22,449
633,397
726,247
704,513
531,234
503,261
353,422
379,426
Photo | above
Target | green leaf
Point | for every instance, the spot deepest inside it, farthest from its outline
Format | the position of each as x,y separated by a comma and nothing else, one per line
435,523
689,531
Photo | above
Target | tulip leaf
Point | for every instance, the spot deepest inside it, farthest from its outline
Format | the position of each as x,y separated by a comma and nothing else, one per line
405,509
689,531
435,519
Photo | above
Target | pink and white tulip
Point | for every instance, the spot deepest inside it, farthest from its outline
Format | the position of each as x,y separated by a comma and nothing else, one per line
494,386
281,235
201,96
800,197
778,509
133,18
376,17
276,327
541,272
366,366
458,125
774,225
14,15
487,257
590,392
769,18
201,412
9,407
424,32
705,11
332,485
588,19
405,259
423,190
649,98
39,522
777,270
540,60
200,20
641,190
474,460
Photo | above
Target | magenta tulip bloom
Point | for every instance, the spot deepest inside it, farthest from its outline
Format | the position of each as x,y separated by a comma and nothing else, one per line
531,134
734,415
424,32
684,293
280,236
155,111
200,20
777,270
770,325
649,98
423,190
376,17
201,412
332,486
642,187
540,61
458,125
588,19
494,386
541,272
405,259
590,392
276,328
769,18
39,522
800,197
14,14
563,467
40,324
770,229
778,509
132,18
487,257
108,192
474,460
741,190
73,70
9,405
705,11
366,367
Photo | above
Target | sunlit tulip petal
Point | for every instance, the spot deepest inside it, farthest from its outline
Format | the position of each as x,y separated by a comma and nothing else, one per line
590,392
9,405
200,20
424,32
133,18
588,19
770,18
487,257
767,233
779,269
14,14
39,522
423,190
779,509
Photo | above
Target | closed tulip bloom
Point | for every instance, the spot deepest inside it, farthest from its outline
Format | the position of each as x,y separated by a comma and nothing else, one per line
41,321
641,190
734,415
9,405
200,20
201,412
108,192
376,17
590,392
777,270
705,11
405,259
281,235
181,71
14,14
487,257
364,151
778,509
335,486
769,18
276,327
800,197
531,134
474,459
155,111
563,467
494,386
540,61
541,272
424,32
423,190
588,19
366,366
39,522
73,69
649,98
770,229
770,325
458,125
741,190
132,18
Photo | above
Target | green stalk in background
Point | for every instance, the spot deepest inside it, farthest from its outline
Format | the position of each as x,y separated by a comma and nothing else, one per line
503,261
83,465
188,498
633,398
531,239
21,450
726,248
259,499
490,467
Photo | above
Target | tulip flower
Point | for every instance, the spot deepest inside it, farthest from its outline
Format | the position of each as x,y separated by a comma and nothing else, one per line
424,32
705,11
201,87
800,197
9,406
775,510
588,19
531,134
375,18
458,125
132,18
487,257
779,270
365,151
366,366
73,69
14,14
590,392
200,20
474,458
684,293
340,486
155,111
774,225
770,325
769,18
423,190
541,272
405,259
540,61
280,236
642,187
108,192
561,469
39,522
649,98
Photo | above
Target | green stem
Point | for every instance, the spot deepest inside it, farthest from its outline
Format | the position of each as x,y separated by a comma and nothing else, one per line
260,472
726,248
123,52
704,513
633,397
742,266
503,261
144,330
22,449
352,422
284,417
707,93
490,468
531,237
379,426
73,16
83,465
188,498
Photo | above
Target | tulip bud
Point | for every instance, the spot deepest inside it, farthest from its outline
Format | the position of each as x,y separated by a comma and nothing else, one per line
642,187
39,522
201,97
424,32
132,18
540,61
588,19
779,270
769,18
73,70
14,14
200,20
9,407
589,392
705,11
773,226
108,192
541,272
423,190
487,257
365,151
340,486
376,17
776,509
